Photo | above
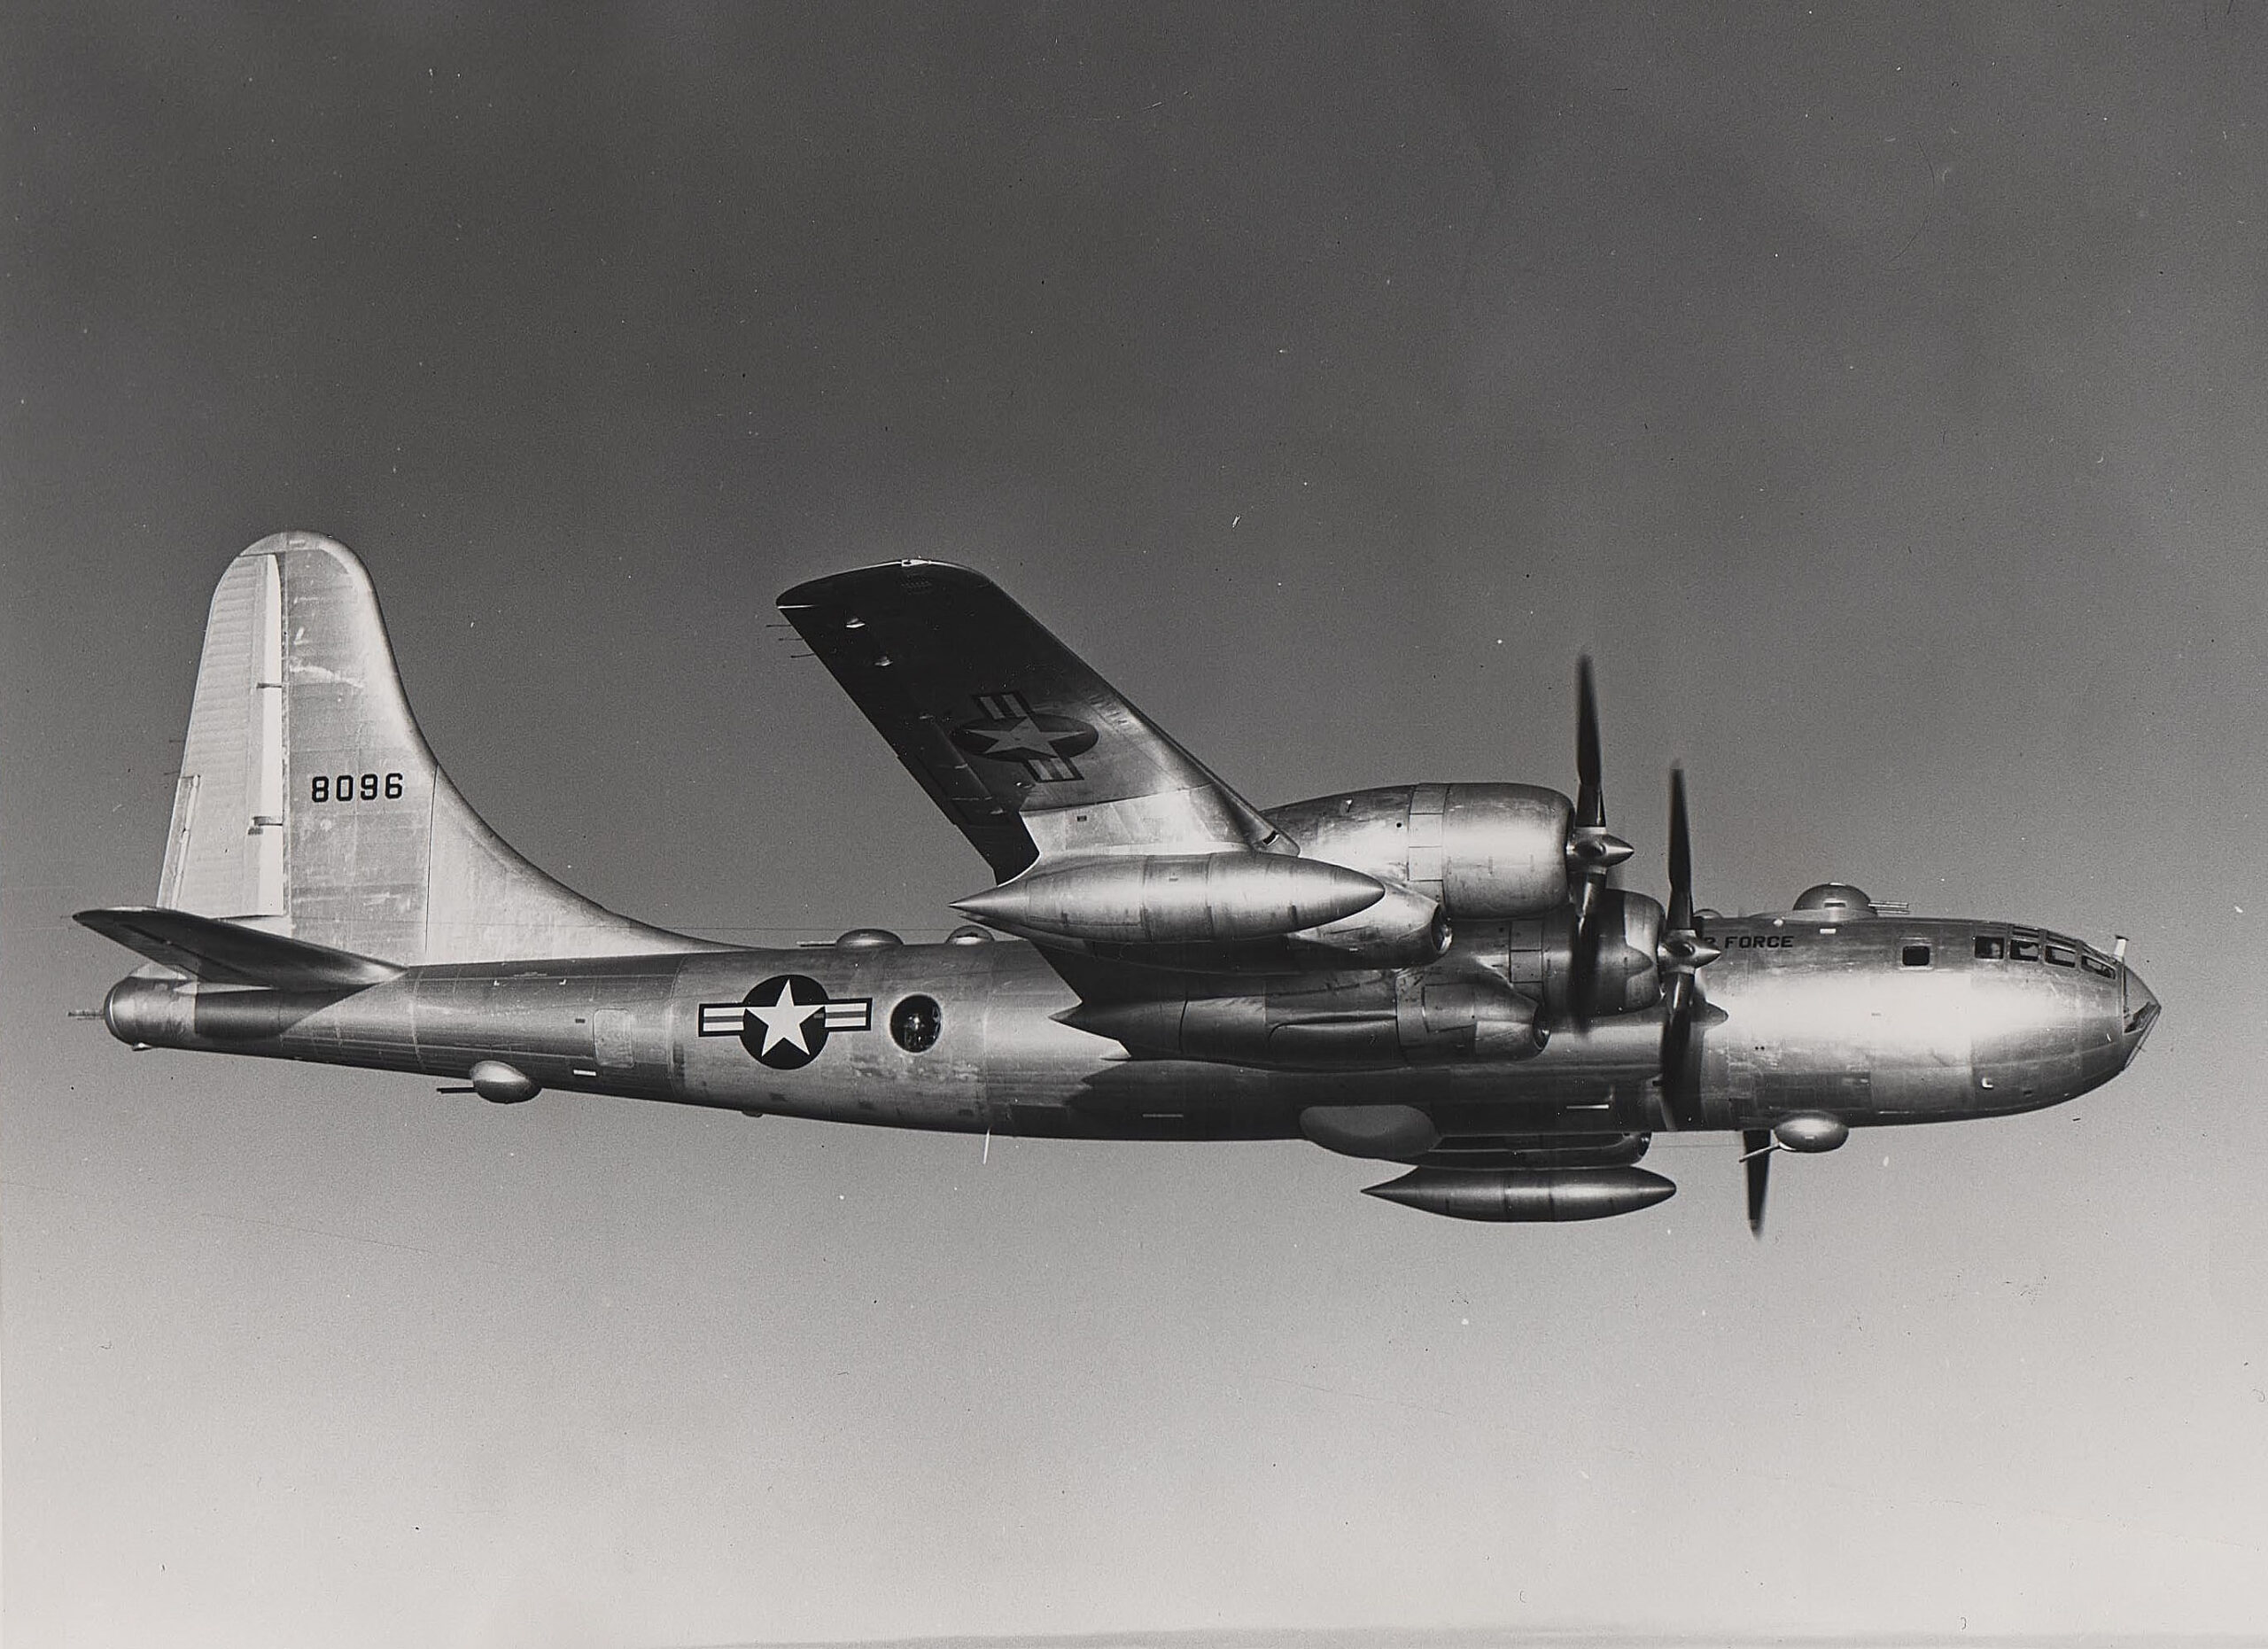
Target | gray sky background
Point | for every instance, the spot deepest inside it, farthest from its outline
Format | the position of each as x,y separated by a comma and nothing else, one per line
1876,392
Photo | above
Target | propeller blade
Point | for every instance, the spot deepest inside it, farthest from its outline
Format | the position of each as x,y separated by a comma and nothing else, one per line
1683,952
1680,858
1582,957
1681,1070
1592,851
1758,1145
1590,800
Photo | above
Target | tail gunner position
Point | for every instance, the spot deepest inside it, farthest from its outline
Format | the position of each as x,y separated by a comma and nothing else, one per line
1439,976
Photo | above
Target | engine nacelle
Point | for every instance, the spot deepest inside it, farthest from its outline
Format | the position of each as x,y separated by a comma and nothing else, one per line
1231,912
1174,899
1484,850
1403,930
1412,1018
1538,959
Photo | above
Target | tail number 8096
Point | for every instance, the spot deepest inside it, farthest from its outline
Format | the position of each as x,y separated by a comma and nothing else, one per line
351,787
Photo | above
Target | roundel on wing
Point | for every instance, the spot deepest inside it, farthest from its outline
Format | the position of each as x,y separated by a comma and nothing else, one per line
1034,736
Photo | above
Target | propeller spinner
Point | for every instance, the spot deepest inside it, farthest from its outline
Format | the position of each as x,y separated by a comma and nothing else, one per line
1756,1147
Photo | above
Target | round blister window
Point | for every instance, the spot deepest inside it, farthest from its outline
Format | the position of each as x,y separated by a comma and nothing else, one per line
915,1024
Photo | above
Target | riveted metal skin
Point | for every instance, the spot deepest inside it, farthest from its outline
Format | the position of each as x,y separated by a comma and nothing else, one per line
1366,1021
1537,954
308,804
1173,898
501,1084
1826,1021
1809,1133
1385,1132
1389,973
1527,1195
1397,929
1481,850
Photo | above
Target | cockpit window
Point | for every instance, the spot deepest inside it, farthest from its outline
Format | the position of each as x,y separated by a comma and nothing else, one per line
1915,953
2096,966
2022,949
2063,955
1990,947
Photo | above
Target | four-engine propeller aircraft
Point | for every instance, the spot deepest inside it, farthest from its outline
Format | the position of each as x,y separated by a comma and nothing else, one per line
1438,976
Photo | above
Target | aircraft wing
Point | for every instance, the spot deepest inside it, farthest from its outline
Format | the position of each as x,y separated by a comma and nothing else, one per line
1024,747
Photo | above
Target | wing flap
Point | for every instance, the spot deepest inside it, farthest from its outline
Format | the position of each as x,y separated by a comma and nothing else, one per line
226,953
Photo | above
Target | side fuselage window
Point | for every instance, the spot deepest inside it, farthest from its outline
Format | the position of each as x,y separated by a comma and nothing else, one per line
2022,950
1915,953
915,1023
2063,955
1990,947
2096,966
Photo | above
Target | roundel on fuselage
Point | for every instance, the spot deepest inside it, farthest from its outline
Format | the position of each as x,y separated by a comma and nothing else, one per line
785,1021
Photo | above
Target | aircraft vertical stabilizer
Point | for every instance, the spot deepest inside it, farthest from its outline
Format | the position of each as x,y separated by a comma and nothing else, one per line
309,806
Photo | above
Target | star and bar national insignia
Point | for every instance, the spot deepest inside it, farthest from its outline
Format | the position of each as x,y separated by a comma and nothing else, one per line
1007,728
785,1021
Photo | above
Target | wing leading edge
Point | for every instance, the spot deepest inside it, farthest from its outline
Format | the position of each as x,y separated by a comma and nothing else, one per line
1021,745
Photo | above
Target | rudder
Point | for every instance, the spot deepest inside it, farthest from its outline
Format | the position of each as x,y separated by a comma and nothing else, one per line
309,805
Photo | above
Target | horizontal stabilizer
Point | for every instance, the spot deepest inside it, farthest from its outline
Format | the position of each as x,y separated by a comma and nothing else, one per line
225,952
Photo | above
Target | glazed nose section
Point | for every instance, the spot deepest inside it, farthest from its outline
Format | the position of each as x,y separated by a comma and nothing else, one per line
2141,1007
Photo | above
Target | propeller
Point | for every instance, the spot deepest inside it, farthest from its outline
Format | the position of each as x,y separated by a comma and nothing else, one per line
1682,954
1805,1132
1592,851
1756,1147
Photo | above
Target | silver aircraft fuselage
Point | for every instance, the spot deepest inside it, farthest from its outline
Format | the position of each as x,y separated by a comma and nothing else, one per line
1876,1020
1438,975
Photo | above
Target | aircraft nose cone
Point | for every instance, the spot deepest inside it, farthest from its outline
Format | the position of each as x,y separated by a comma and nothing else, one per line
2142,1012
